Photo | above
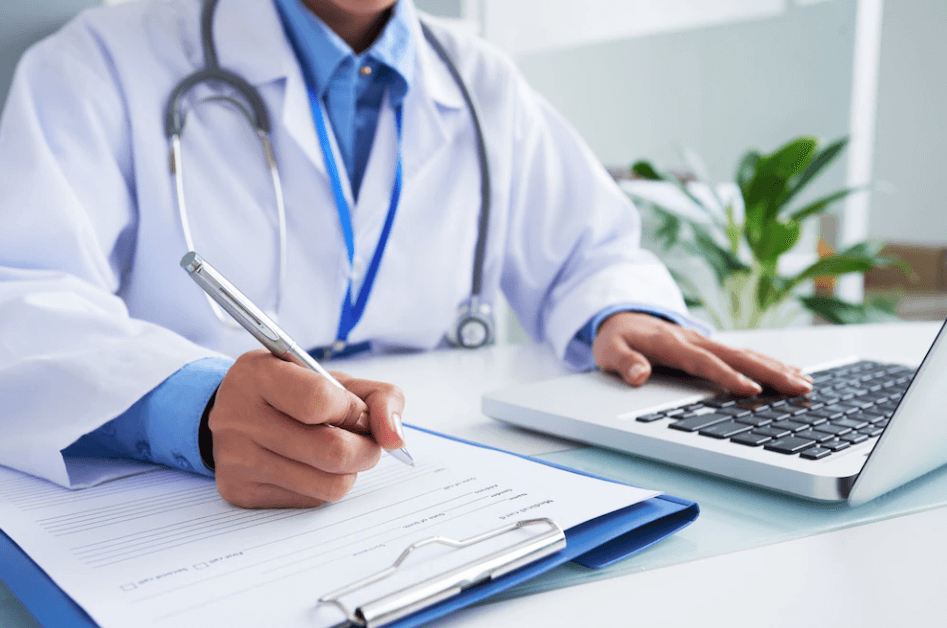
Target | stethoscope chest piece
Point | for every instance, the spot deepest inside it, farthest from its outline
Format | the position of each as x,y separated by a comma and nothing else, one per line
474,326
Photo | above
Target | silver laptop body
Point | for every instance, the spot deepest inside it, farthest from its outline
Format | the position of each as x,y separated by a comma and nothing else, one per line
599,409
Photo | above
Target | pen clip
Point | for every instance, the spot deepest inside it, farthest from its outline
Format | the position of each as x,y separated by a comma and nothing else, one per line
261,326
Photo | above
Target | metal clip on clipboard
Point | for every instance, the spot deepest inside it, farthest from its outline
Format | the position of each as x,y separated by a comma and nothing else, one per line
394,606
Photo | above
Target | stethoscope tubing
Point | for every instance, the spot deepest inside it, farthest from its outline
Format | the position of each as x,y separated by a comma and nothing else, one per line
258,117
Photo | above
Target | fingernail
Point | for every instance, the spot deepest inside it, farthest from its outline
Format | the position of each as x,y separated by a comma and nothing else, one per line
635,372
363,417
749,382
805,383
396,425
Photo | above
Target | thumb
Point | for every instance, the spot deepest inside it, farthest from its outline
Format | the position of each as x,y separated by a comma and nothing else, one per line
630,365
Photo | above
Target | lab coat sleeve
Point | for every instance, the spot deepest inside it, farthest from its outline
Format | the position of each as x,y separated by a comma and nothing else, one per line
162,426
71,356
573,247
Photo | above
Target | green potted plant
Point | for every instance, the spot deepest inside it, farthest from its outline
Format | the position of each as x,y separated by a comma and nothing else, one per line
743,251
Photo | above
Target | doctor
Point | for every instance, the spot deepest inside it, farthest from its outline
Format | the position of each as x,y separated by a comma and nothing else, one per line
111,357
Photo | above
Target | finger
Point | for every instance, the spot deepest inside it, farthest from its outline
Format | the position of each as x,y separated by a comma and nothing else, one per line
385,407
763,369
320,446
269,468
307,396
269,496
780,365
702,363
630,365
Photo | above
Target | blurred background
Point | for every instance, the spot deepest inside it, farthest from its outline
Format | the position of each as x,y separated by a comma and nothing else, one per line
691,85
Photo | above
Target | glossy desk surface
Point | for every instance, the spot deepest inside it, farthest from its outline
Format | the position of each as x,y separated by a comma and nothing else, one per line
882,574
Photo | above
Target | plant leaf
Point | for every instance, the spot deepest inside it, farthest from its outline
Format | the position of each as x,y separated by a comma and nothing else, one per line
775,239
770,290
858,258
721,260
763,194
821,159
842,312
645,170
692,301
770,183
822,204
746,169
668,232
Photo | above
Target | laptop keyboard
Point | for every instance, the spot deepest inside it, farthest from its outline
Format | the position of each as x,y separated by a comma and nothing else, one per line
848,405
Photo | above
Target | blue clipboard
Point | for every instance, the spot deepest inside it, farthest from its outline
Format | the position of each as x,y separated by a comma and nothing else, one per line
596,543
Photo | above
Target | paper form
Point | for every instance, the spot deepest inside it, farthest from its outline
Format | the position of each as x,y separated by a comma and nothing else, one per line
163,549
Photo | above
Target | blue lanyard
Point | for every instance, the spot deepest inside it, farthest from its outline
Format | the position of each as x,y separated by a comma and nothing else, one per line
352,311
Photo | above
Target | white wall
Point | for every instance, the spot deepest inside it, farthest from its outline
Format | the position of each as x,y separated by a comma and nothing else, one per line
640,78
750,80
911,126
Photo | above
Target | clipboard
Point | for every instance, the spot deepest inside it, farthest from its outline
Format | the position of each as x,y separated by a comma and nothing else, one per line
595,544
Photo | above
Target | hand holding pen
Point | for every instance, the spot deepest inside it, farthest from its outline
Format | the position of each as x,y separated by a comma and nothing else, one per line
275,425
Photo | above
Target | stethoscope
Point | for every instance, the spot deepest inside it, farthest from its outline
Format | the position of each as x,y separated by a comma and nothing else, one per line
474,324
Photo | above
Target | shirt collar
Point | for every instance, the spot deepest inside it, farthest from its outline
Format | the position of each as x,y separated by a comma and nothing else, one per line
320,50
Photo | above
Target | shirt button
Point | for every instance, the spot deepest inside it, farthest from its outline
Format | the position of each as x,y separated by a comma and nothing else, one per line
365,70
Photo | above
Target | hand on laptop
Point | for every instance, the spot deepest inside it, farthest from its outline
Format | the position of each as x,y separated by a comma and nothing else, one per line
628,343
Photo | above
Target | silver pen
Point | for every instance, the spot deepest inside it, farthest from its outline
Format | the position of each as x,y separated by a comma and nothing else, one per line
259,324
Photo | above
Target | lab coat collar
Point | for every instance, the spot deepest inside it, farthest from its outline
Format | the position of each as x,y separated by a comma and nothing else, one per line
252,43
432,76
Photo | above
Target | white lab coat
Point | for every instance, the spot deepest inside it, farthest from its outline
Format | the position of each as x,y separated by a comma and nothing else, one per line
94,308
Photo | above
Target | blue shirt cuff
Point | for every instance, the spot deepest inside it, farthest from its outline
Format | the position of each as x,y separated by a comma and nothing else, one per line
162,426
587,334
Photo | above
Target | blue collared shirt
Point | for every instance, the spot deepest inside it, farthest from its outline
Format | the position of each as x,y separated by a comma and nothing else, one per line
162,426
352,87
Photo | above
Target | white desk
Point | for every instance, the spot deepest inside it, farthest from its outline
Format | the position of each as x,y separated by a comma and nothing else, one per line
883,574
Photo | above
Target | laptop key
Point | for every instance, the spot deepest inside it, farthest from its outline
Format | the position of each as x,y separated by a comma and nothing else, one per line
871,430
699,422
836,445
734,411
755,420
810,419
817,436
850,421
773,414
721,401
725,429
648,418
815,453
825,413
838,407
753,439
772,432
754,404
793,426
835,430
789,445
857,403
854,438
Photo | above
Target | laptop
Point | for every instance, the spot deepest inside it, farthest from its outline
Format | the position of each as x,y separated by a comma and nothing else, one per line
867,427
